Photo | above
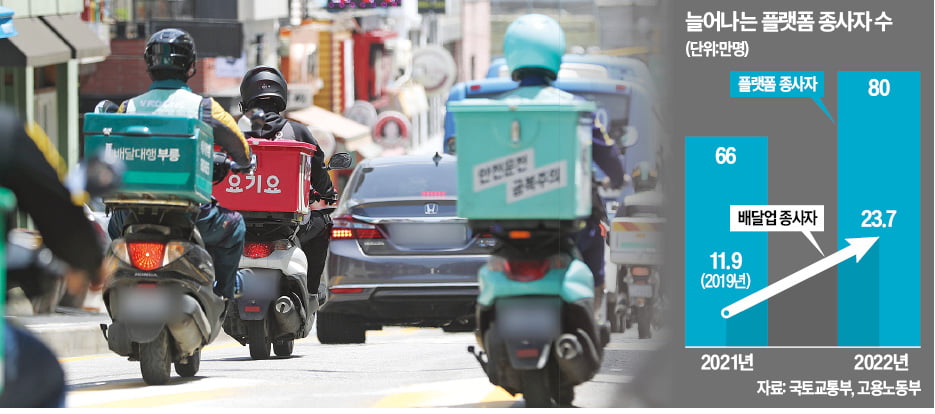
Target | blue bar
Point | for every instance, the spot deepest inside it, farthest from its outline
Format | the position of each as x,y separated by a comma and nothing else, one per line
710,188
878,170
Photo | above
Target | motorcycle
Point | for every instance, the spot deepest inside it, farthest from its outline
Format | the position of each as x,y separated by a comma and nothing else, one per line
160,297
275,308
31,375
535,316
635,239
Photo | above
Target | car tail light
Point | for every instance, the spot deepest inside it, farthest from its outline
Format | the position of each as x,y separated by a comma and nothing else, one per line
346,290
251,309
146,255
433,194
475,87
257,250
347,228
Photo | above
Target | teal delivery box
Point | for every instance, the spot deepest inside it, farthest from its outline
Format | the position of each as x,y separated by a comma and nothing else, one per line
525,155
166,157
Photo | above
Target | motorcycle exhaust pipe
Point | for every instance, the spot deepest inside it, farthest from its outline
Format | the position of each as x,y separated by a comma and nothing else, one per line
577,361
567,347
283,305
285,314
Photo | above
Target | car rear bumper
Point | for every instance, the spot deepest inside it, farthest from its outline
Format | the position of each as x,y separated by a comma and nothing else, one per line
425,290
405,304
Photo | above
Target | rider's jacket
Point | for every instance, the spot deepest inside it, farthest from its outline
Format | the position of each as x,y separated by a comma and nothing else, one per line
175,98
32,169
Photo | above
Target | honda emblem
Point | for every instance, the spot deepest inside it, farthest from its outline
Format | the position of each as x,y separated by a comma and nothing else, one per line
431,208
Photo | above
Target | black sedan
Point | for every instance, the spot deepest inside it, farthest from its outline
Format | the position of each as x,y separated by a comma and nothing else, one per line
399,253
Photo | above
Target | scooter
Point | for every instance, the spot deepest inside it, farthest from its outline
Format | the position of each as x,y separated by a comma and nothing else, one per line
161,297
30,375
635,240
535,315
275,308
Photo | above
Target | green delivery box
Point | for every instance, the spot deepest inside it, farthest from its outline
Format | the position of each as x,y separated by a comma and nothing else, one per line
525,155
167,157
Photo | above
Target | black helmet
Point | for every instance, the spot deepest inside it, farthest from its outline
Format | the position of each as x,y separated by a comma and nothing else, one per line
170,53
263,82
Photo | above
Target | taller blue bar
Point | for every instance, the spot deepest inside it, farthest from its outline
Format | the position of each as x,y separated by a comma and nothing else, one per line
879,195
720,171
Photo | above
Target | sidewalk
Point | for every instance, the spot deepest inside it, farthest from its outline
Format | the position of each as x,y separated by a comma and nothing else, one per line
69,332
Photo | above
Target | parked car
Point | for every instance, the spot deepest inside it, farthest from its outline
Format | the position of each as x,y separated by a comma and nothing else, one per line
399,255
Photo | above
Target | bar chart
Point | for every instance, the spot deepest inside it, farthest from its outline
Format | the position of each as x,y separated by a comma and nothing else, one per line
730,217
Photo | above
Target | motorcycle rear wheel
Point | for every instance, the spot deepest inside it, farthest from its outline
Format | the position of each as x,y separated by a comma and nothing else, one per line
155,360
257,339
644,321
536,390
191,368
284,348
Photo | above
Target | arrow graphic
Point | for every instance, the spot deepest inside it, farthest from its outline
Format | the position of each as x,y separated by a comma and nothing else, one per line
858,247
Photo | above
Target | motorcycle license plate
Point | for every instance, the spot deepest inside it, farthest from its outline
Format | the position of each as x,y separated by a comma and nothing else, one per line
144,303
641,291
522,318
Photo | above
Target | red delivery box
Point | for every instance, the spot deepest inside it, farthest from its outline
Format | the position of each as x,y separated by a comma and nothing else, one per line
279,184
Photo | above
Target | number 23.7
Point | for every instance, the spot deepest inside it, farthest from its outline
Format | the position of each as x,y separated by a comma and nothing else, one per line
874,218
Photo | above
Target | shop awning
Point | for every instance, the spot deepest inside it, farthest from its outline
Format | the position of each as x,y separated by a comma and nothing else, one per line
34,45
85,44
356,136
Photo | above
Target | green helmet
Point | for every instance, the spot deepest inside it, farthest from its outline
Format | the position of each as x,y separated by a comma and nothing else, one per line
536,42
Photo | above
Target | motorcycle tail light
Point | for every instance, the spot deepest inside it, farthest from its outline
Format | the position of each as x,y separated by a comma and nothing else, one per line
639,271
527,353
251,309
526,270
146,255
520,234
257,250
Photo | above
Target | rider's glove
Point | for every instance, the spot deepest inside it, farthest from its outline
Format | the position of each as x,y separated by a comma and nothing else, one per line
238,169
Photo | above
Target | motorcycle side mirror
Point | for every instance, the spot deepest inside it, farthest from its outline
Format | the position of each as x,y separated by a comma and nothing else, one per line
106,107
340,161
222,166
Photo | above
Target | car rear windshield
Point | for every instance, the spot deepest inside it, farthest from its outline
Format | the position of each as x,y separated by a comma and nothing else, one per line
406,180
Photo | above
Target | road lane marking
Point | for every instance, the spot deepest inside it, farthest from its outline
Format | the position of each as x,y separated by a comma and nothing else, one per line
499,398
163,400
136,394
82,358
404,399
406,330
